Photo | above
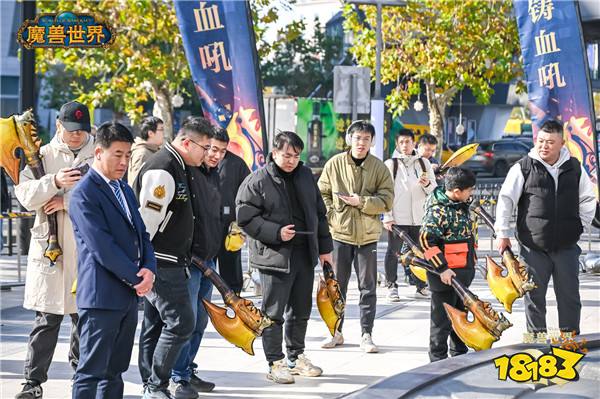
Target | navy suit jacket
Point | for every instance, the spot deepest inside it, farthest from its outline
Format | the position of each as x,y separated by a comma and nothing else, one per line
107,244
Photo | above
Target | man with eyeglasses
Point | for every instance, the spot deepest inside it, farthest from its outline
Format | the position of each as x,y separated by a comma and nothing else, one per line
281,210
166,191
206,244
231,172
357,189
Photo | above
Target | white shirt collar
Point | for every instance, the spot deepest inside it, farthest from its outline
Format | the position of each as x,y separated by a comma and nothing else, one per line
106,179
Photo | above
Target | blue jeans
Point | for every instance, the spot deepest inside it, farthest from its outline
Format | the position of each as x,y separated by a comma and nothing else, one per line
200,288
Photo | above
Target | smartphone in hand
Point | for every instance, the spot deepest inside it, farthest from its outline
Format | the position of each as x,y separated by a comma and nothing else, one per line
83,169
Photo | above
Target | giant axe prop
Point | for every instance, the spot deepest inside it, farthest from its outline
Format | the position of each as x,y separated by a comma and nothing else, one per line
329,299
487,325
517,280
19,131
248,322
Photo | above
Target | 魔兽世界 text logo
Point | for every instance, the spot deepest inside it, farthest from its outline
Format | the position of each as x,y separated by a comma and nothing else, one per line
65,30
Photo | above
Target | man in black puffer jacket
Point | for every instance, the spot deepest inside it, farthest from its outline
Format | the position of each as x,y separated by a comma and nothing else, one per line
281,210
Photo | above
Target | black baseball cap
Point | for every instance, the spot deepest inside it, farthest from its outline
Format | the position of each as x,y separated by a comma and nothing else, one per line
75,116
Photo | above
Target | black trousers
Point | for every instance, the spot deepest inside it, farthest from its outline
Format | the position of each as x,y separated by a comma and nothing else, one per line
106,344
364,259
230,266
395,246
563,267
169,321
42,343
440,326
287,296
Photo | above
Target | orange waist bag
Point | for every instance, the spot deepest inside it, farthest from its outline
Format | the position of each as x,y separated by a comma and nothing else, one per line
456,255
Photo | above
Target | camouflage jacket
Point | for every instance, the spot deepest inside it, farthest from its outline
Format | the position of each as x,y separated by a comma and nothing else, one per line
448,233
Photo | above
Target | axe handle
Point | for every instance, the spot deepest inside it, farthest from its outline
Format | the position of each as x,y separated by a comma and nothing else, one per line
406,238
489,221
328,271
486,217
461,290
37,168
214,277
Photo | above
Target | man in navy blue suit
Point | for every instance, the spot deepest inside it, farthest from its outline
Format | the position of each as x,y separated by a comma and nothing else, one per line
116,265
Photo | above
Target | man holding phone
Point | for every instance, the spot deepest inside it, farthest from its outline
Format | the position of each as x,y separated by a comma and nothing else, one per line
48,287
357,188
281,210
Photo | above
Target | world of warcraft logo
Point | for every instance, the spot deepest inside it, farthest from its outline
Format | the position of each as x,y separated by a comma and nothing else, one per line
65,30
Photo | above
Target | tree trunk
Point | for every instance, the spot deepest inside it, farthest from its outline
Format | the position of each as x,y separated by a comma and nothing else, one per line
163,109
437,113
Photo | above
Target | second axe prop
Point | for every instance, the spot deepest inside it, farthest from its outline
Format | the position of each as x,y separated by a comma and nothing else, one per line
20,132
329,299
517,280
487,325
248,321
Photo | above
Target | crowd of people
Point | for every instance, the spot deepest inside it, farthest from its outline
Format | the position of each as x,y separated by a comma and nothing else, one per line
130,226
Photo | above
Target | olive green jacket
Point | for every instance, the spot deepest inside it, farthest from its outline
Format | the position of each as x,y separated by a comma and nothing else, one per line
372,181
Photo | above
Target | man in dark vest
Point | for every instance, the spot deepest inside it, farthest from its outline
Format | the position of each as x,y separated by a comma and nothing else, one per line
554,199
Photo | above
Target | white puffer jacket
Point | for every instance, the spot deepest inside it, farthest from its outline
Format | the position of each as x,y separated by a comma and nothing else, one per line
409,195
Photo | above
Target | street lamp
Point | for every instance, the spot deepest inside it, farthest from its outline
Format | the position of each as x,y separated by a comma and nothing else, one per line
379,42
377,103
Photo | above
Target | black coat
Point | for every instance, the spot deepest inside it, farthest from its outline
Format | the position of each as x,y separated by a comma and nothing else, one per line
232,172
206,202
263,208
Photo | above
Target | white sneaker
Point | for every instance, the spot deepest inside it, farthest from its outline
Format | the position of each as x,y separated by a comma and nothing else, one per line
304,367
423,293
392,295
367,345
337,339
280,373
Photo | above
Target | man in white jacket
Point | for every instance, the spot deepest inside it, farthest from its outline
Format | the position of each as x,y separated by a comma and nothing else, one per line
554,199
48,287
414,180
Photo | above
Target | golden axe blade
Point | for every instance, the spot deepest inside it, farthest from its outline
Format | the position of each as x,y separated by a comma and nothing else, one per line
248,321
9,142
501,286
487,325
232,329
472,333
461,155
329,299
517,281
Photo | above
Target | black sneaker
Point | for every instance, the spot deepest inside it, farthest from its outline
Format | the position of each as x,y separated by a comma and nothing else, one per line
183,390
200,385
30,391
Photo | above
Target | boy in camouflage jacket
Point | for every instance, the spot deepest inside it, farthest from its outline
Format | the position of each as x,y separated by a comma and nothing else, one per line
448,240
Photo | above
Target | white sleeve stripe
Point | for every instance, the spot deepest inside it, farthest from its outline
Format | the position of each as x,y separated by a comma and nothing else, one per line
157,191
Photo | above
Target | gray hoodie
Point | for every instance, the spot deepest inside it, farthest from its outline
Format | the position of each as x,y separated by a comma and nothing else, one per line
512,189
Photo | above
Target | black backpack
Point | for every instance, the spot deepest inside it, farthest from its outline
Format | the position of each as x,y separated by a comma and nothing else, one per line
421,162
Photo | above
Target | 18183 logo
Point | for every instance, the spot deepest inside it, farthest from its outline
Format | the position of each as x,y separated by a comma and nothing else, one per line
524,367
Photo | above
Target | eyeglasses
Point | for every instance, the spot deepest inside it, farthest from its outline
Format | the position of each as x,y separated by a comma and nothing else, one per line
359,139
204,147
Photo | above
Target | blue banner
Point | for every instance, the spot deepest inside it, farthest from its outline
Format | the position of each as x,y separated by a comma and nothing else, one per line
557,74
219,43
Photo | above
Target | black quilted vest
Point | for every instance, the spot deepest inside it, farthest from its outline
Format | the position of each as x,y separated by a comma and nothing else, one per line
548,219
